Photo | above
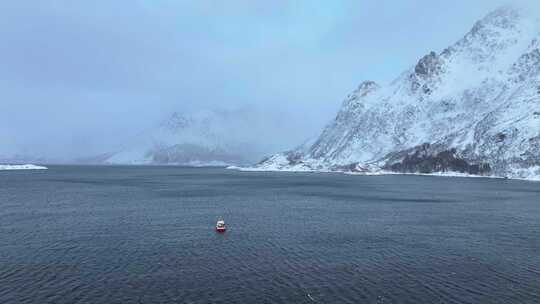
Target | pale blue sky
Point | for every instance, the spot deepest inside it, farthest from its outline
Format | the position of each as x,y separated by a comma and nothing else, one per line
77,76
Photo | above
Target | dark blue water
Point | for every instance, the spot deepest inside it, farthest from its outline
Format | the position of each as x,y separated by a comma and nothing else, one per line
145,235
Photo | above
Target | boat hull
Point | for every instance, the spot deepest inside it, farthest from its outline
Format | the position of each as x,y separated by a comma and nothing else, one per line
220,230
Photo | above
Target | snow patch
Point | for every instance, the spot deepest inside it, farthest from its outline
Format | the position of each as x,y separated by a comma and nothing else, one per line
22,167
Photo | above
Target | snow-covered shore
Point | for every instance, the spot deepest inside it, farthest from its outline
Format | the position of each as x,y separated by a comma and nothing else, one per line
22,167
438,174
532,178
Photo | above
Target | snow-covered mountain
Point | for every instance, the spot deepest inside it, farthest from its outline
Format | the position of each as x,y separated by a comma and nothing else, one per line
200,138
474,108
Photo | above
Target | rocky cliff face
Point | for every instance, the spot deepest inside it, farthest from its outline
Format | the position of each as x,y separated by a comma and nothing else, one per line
472,108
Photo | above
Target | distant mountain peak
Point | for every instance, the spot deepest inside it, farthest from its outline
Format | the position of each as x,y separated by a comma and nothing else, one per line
177,121
199,137
504,17
502,30
364,89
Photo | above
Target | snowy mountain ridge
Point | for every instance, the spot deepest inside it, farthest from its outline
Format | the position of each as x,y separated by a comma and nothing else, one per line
472,108
200,138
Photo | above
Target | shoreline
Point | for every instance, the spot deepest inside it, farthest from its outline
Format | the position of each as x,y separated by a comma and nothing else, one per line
383,173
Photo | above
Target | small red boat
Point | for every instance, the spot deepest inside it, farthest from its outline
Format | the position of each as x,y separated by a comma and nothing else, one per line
220,226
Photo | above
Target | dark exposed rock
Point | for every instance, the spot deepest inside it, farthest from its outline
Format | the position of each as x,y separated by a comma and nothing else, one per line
294,158
428,65
527,66
264,160
367,87
421,161
425,74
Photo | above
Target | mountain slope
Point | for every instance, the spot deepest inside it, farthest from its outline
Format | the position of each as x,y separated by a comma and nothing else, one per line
201,138
474,108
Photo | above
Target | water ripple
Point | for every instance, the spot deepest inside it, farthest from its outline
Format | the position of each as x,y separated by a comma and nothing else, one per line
145,235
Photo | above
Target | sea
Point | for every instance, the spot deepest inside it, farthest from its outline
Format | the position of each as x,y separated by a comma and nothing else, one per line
145,234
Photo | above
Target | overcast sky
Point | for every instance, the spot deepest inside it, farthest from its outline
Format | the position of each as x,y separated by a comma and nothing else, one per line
76,77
